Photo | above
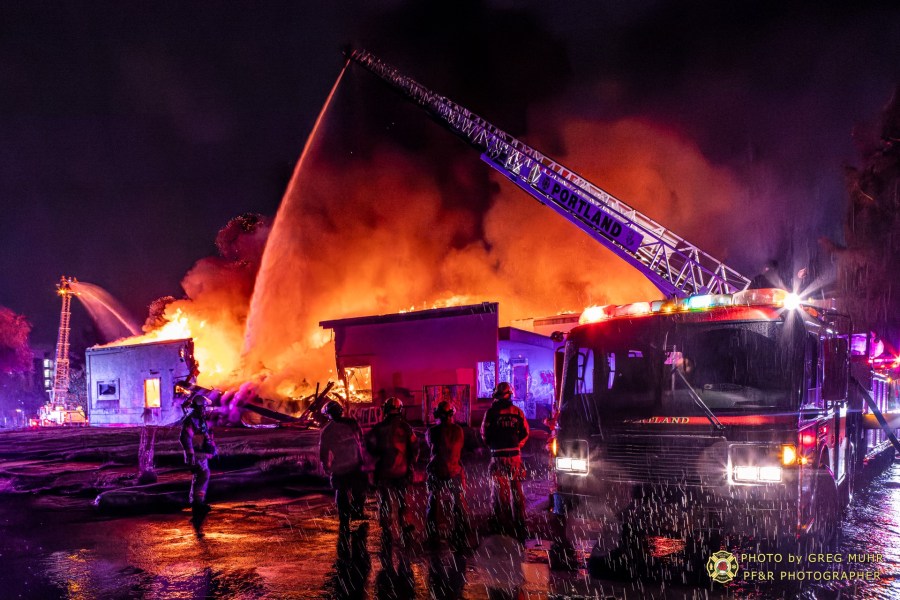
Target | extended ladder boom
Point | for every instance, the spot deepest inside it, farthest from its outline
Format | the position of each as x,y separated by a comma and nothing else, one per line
675,266
61,376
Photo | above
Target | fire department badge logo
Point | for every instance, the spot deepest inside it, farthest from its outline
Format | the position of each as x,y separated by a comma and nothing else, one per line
722,566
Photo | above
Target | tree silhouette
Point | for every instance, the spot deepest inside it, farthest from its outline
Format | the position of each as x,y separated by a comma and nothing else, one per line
15,354
870,263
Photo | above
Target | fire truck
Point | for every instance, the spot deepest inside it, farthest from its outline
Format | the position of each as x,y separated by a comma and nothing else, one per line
715,414
61,415
720,410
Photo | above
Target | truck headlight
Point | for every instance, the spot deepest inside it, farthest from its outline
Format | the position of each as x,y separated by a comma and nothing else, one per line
760,463
770,474
767,474
746,473
572,465
573,457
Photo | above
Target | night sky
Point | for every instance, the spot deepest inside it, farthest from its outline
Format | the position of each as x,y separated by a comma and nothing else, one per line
130,133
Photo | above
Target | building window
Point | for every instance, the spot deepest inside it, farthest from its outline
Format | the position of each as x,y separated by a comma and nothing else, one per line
487,375
151,393
108,389
359,383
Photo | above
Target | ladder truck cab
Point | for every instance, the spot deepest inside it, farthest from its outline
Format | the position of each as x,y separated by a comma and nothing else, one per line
724,413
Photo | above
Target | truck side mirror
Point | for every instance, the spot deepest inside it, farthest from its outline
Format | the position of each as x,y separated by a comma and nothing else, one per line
559,358
834,384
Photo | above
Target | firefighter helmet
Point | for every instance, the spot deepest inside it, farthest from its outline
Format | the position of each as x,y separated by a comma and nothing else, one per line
194,400
201,401
503,391
332,409
392,406
443,410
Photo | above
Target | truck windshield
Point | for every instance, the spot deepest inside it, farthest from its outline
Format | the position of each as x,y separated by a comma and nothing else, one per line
625,369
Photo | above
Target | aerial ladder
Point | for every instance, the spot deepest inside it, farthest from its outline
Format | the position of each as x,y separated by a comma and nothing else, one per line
60,392
675,266
60,410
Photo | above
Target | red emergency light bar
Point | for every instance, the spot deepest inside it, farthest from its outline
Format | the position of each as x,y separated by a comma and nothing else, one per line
768,297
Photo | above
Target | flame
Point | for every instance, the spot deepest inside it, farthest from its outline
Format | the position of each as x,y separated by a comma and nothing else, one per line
177,327
319,338
288,389
216,349
351,395
446,302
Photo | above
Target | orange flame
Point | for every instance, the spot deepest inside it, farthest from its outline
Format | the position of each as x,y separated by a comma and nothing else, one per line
216,350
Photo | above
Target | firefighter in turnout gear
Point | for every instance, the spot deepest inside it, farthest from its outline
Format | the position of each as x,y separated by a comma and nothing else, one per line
446,474
196,441
505,430
393,445
340,450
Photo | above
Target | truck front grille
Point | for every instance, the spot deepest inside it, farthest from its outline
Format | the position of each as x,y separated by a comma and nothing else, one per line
677,460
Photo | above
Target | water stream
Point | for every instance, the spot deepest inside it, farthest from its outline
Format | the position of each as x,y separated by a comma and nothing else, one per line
279,310
108,314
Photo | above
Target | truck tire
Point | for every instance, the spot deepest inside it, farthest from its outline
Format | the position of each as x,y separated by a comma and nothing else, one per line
849,485
824,533
562,556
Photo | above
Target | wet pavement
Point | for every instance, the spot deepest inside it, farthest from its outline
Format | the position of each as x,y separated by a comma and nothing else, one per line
283,543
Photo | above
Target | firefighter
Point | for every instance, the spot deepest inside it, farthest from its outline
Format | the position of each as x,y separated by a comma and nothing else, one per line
446,474
505,430
340,450
197,442
393,445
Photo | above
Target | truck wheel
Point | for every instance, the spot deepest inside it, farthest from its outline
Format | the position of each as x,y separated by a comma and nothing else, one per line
562,556
849,484
824,533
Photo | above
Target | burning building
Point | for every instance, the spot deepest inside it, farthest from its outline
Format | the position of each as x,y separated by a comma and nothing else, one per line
134,384
456,354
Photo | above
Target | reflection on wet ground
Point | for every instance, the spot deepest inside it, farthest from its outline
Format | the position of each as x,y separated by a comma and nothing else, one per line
872,527
283,546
